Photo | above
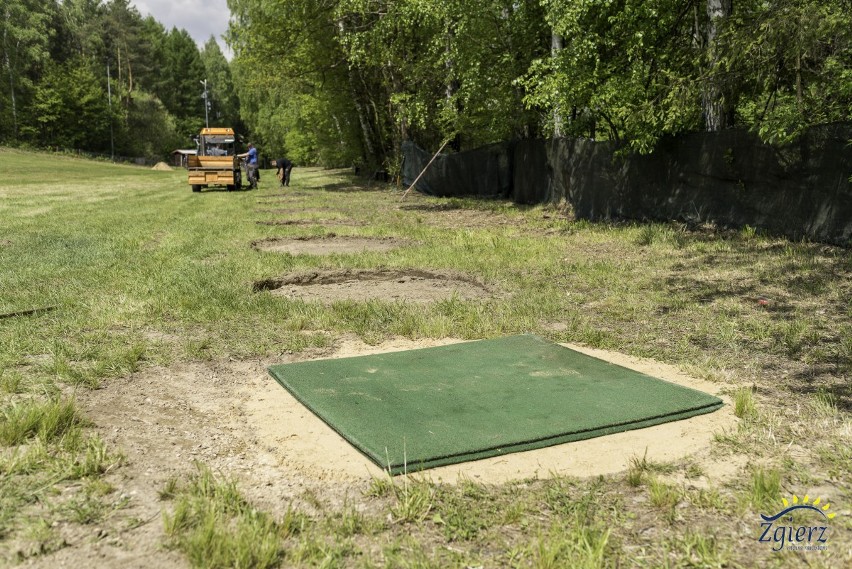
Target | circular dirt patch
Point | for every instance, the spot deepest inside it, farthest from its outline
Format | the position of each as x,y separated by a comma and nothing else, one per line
380,284
281,196
311,222
326,245
295,210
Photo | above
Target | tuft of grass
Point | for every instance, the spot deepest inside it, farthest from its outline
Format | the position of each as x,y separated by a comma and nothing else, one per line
91,506
639,468
698,549
747,233
11,382
215,527
579,546
169,489
836,459
50,420
763,489
824,403
694,471
49,449
349,521
380,487
96,460
707,499
665,498
744,406
413,500
663,495
41,538
462,513
314,551
793,337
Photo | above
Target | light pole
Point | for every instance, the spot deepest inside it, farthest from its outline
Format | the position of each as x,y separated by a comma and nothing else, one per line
206,119
111,136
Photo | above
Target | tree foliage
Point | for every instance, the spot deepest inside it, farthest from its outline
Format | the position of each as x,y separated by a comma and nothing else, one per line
345,82
96,75
363,75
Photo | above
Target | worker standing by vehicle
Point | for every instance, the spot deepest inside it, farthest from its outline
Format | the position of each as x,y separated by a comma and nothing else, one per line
251,165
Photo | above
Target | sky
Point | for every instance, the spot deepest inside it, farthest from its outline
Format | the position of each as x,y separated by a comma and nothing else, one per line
201,18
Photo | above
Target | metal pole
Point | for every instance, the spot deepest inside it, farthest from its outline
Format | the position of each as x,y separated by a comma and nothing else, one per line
206,119
111,136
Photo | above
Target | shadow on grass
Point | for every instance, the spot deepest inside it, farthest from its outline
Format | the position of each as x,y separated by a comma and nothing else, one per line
357,186
825,377
432,207
813,271
226,190
797,294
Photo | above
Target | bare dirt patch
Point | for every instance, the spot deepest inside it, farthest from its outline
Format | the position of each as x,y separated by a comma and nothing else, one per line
451,217
342,222
327,245
295,210
380,284
282,196
234,418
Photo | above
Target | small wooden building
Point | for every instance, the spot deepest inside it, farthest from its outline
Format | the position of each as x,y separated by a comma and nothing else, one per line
179,157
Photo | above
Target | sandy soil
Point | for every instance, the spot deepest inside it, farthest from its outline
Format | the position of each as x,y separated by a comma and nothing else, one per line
603,455
327,245
235,418
381,284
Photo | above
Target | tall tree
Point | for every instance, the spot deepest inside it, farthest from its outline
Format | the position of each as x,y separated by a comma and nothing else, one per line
224,102
82,32
126,45
792,62
24,39
71,108
293,80
181,90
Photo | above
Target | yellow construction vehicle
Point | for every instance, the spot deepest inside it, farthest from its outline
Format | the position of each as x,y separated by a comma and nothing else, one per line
216,162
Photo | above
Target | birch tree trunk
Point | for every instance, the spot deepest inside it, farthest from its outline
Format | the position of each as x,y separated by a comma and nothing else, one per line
8,61
716,103
557,42
452,84
366,132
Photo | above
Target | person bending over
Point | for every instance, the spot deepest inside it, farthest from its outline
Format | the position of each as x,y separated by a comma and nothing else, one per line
284,167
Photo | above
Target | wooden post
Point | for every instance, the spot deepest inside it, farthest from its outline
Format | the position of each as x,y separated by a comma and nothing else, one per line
424,170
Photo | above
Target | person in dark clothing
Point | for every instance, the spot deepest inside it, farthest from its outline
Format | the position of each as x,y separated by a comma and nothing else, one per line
284,167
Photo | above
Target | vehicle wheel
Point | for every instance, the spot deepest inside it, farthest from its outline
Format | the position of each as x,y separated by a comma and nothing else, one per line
196,188
230,187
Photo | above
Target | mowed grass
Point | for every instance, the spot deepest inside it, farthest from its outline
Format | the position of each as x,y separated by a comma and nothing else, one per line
123,267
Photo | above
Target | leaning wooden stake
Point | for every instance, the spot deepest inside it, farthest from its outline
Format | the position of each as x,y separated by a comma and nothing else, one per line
29,312
405,193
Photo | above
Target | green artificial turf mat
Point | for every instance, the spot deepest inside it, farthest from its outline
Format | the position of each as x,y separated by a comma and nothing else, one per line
435,406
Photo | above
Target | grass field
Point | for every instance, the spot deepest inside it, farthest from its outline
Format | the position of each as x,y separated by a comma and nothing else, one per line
108,270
